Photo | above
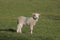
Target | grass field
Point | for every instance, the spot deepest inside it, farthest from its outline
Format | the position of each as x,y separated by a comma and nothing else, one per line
47,28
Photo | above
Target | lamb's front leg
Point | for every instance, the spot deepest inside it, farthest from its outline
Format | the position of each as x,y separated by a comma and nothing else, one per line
31,29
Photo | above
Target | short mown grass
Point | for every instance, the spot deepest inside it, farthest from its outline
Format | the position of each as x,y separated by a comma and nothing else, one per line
47,28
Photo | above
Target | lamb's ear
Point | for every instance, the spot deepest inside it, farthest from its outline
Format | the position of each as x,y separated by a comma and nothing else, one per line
39,13
33,13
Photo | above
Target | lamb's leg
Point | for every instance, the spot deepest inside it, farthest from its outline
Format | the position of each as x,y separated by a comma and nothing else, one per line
31,29
19,27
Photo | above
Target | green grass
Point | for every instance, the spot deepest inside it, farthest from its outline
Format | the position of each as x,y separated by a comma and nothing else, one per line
47,28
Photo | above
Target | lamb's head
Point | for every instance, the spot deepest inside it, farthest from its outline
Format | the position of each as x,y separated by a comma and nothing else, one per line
36,16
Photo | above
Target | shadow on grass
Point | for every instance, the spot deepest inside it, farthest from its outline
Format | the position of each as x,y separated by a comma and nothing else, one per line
9,30
24,37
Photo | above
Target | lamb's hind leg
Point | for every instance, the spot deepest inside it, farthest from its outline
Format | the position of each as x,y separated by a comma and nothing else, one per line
19,27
